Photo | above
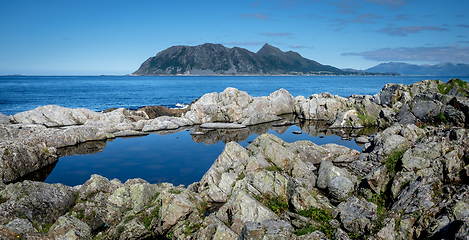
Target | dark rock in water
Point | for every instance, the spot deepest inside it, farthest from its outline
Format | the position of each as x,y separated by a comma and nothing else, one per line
157,111
297,132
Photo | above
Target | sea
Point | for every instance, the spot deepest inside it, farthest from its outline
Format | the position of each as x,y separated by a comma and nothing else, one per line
176,157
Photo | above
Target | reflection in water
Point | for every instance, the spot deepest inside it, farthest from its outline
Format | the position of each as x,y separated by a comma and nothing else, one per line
91,147
39,175
179,156
313,128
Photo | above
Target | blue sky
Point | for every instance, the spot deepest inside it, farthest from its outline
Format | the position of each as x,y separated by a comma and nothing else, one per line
95,37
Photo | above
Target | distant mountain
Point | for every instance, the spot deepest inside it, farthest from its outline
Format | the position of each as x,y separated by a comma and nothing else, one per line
215,59
445,69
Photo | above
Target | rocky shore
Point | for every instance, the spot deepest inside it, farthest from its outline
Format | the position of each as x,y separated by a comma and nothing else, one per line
410,181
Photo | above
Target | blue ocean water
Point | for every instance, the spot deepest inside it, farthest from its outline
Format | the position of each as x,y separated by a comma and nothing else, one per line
22,93
177,158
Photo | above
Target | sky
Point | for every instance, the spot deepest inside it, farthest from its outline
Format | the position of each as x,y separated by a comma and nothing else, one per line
93,37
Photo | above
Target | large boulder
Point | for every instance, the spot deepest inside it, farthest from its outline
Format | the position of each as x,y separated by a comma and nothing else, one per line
327,172
55,116
40,203
393,94
242,208
68,227
216,184
322,106
236,106
17,159
357,215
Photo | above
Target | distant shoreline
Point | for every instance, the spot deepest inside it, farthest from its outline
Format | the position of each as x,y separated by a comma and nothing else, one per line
239,75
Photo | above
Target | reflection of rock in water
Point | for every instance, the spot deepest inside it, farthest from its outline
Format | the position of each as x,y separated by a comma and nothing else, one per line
82,148
224,135
320,128
213,136
171,131
38,175
313,128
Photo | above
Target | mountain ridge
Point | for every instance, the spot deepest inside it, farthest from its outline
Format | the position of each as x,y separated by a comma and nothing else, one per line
443,69
216,59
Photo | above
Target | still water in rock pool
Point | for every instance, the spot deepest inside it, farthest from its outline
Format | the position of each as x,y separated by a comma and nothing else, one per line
177,157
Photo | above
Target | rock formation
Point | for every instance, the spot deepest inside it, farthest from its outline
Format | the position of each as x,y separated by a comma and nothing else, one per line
410,181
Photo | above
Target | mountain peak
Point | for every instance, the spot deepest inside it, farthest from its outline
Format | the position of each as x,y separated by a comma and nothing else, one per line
268,49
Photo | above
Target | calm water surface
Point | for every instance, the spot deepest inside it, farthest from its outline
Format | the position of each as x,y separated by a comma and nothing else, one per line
178,158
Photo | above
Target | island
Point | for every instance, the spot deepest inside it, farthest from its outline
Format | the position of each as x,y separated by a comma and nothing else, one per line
216,59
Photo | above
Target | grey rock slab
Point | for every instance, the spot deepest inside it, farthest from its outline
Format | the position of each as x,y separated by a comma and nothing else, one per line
392,93
340,188
18,159
55,116
204,109
281,102
135,230
270,229
357,215
322,106
67,227
327,171
241,208
233,157
362,140
303,199
388,232
4,119
37,201
19,226
215,229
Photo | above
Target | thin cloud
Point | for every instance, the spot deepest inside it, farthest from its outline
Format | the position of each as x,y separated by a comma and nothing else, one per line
453,54
390,4
346,6
364,18
461,36
251,43
463,25
260,16
287,4
404,31
401,17
277,34
460,15
299,46
314,16
256,3
367,18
